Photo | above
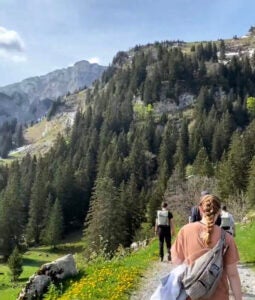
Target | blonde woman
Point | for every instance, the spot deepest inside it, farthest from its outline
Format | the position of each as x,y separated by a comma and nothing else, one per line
194,239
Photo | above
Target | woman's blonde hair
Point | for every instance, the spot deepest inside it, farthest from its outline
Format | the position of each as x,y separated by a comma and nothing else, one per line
210,205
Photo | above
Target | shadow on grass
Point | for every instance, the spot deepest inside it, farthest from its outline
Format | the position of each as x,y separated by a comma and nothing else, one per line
61,249
22,280
65,249
32,262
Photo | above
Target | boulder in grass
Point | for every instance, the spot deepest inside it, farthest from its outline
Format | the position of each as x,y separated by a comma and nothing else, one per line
134,246
51,272
36,286
60,269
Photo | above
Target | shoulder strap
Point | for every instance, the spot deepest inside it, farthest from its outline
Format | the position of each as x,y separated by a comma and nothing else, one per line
223,239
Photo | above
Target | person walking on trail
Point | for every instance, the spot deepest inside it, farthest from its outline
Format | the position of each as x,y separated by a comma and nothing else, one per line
164,226
194,239
227,221
195,212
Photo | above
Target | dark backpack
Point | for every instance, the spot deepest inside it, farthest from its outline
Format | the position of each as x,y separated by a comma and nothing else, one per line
201,279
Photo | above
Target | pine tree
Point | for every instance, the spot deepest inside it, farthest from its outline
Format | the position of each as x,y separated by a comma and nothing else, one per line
248,138
163,175
202,166
65,192
133,207
27,169
11,212
251,184
196,139
39,194
137,161
15,264
54,226
182,149
45,216
3,177
105,223
167,149
204,101
222,49
18,136
180,162
233,172
222,135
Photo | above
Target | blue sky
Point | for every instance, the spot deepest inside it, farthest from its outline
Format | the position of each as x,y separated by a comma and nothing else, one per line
39,36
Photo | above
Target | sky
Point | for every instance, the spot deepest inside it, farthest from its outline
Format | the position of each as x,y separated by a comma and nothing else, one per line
39,36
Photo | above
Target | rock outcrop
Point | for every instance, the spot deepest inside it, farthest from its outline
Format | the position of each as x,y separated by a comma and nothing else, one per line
51,272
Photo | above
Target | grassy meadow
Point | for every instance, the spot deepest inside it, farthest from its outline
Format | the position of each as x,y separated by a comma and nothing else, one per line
32,260
108,279
102,278
245,239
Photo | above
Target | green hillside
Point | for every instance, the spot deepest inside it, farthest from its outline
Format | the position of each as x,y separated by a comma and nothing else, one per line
166,121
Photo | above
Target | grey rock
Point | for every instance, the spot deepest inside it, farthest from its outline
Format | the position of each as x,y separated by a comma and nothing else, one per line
34,287
60,268
51,272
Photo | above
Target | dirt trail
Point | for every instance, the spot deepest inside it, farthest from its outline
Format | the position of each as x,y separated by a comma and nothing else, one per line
151,280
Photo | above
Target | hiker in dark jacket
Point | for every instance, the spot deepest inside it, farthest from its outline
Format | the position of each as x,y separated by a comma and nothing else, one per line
195,213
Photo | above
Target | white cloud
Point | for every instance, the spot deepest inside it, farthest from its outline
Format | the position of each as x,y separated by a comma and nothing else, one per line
12,56
12,46
94,60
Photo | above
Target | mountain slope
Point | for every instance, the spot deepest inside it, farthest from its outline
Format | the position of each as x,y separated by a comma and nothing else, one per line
57,83
31,98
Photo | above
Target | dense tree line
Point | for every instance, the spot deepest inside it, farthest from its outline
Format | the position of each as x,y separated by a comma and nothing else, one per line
110,173
11,136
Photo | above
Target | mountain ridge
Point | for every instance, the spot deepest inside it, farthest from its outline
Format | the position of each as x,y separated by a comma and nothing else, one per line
80,67
36,94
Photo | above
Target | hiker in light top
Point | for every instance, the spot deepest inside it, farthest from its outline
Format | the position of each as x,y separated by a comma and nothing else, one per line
227,221
194,239
164,226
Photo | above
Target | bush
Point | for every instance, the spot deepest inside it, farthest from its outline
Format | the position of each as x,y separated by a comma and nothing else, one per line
146,231
15,264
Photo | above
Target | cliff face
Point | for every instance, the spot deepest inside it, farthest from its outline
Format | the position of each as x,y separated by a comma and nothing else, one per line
56,83
32,97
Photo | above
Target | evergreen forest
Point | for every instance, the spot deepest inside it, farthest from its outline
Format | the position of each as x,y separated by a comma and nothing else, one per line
124,154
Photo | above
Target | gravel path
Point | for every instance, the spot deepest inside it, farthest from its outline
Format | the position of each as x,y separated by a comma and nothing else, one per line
151,280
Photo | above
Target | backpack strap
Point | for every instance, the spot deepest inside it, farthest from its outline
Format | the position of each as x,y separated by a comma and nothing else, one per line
223,239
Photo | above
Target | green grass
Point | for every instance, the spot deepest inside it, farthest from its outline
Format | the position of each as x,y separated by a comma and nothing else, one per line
32,260
109,279
245,241
104,279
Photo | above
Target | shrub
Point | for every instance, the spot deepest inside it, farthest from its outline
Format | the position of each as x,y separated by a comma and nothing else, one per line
15,264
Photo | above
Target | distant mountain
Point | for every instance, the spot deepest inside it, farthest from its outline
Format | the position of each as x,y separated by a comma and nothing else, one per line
32,97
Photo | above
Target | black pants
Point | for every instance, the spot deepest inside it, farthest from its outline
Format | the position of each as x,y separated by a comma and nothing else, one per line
164,235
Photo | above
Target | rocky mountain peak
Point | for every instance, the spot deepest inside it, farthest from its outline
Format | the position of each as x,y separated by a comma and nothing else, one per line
31,91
